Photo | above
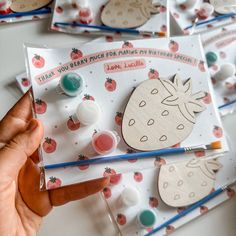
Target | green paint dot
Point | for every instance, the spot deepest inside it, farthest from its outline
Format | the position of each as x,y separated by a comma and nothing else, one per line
211,58
147,218
71,84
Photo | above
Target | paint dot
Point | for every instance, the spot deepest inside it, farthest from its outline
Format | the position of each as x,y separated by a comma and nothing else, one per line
204,183
191,195
131,122
55,126
165,113
171,168
180,182
154,91
142,103
180,127
144,139
120,13
150,122
125,22
190,174
163,138
130,10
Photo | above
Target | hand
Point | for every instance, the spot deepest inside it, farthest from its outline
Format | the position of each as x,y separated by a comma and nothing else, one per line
22,204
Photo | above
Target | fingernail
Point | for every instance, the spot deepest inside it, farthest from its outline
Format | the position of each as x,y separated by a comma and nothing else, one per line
33,124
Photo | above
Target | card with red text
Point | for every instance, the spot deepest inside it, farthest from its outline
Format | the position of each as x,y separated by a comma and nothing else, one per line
111,71
221,41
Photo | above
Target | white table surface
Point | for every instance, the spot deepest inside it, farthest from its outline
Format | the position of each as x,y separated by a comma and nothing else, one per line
87,217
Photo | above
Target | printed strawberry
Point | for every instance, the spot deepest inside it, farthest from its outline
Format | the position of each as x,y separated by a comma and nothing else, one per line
177,145
25,82
230,192
83,167
127,45
76,54
207,98
159,161
88,97
162,8
201,66
153,202
229,86
59,9
195,181
40,106
114,178
53,183
177,107
170,229
226,99
180,209
218,131
153,74
85,15
49,145
183,7
129,151
176,15
199,153
203,209
38,61
121,219
74,5
213,80
163,28
109,38
222,55
173,46
138,176
118,118
106,192
110,85
72,125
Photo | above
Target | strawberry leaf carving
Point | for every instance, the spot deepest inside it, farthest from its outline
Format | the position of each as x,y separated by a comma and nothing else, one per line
181,96
208,167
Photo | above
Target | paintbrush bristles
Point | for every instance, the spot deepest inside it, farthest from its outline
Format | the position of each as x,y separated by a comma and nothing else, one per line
212,146
216,145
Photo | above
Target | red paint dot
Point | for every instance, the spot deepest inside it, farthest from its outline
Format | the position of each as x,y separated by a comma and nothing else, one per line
104,142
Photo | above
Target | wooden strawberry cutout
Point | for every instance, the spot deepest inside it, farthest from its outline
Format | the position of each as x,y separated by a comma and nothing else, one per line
24,6
185,183
160,113
128,13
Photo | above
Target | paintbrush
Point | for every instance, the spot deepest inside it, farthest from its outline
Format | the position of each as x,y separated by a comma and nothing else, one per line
28,13
137,155
112,29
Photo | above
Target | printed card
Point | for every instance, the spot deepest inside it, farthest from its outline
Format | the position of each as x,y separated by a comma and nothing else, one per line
222,42
92,14
111,72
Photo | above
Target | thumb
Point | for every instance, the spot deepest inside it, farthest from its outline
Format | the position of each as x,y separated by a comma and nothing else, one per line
14,154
